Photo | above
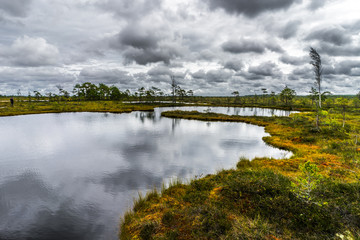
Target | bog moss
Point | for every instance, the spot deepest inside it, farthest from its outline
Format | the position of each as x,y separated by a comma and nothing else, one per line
266,198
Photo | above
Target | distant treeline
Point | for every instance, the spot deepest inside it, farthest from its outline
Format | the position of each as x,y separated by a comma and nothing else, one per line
286,98
91,92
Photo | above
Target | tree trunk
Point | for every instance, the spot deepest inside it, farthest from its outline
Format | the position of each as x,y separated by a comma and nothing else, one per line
317,118
319,95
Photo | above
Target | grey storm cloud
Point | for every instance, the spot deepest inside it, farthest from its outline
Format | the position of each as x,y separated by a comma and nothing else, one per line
316,4
235,65
175,64
266,69
29,52
199,74
333,50
213,76
138,38
195,39
107,76
293,60
198,84
206,54
144,44
355,26
304,72
290,29
248,46
162,73
218,76
145,56
179,74
15,8
274,47
250,76
160,70
347,67
129,9
138,43
337,36
251,8
158,79
243,46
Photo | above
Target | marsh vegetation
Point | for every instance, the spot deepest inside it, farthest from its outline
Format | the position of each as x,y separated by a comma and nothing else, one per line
74,174
314,194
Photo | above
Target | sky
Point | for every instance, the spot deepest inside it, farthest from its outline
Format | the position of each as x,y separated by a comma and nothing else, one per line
213,47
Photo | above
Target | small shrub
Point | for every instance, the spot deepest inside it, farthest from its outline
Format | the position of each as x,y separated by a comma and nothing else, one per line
308,139
139,203
125,221
243,163
199,191
335,146
31,107
172,235
250,228
154,194
214,222
343,201
196,197
147,231
307,182
168,218
270,196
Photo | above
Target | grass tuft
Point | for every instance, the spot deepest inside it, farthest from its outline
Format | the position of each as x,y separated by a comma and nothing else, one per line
266,198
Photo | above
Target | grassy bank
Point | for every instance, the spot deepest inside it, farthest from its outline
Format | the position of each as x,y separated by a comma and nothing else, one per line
21,108
313,195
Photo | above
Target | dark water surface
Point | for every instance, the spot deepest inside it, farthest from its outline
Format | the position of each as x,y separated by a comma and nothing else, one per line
72,175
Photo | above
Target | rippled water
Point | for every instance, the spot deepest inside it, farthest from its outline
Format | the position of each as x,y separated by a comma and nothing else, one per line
72,175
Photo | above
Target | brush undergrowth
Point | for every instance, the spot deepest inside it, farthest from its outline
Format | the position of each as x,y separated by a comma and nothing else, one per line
246,203
313,195
260,199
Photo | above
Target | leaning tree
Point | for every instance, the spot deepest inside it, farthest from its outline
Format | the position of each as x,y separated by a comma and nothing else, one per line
317,68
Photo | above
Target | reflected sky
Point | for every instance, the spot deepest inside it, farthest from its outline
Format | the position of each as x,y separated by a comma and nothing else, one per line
72,175
245,111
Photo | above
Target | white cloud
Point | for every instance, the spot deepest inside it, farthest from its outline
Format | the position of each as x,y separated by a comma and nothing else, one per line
30,52
222,44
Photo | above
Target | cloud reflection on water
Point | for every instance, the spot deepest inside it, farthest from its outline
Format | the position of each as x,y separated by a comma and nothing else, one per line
71,176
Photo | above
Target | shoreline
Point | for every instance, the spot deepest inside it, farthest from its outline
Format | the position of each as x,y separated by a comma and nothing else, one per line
207,207
154,214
